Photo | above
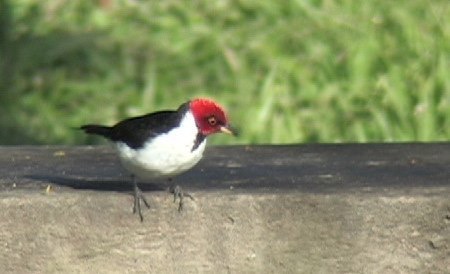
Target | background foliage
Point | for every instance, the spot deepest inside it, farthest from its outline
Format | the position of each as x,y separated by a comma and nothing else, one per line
288,71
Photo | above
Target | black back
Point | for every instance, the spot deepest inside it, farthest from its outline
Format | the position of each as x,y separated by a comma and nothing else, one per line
137,130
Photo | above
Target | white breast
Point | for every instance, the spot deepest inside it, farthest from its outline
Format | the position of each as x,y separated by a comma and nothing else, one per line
166,155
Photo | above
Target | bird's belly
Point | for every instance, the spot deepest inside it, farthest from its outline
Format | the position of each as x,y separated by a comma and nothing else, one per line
159,160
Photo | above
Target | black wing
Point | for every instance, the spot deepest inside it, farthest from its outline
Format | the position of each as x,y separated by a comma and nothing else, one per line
137,130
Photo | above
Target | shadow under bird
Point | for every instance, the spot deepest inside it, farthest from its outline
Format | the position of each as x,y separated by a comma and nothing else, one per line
164,143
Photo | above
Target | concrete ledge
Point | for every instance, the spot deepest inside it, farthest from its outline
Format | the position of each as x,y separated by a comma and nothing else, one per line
258,209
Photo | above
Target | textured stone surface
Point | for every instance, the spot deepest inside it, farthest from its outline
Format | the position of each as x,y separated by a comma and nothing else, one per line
258,209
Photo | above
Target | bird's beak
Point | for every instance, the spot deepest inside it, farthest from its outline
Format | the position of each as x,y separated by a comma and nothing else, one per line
228,130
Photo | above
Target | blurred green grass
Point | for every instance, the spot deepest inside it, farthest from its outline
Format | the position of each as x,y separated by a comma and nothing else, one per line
287,71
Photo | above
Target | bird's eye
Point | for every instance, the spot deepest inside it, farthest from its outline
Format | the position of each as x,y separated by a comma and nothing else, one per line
212,121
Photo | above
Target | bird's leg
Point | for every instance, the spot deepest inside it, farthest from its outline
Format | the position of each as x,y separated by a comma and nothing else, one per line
180,194
138,196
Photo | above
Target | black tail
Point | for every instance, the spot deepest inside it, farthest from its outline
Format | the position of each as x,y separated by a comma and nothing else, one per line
98,130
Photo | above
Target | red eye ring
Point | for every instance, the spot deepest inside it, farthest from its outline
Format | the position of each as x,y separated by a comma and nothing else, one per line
212,121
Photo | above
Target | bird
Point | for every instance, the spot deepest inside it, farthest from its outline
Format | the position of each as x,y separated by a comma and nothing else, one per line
165,143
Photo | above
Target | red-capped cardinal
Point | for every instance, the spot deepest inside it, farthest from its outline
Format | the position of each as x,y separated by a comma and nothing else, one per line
164,143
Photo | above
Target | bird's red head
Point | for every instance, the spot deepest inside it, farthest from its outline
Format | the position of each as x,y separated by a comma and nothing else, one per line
210,117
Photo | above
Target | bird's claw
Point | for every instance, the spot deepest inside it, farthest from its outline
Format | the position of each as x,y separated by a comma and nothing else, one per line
138,196
180,194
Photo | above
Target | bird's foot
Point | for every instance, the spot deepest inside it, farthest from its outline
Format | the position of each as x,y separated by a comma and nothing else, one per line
180,194
138,196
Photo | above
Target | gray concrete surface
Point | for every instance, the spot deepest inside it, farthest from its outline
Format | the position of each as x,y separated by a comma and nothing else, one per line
380,208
